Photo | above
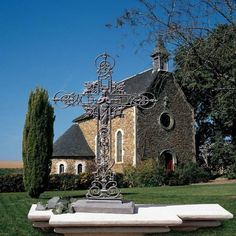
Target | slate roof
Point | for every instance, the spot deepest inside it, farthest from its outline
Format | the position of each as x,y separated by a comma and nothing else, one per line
139,83
72,144
136,84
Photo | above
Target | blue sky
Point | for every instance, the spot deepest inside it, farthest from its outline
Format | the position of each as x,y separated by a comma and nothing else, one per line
53,43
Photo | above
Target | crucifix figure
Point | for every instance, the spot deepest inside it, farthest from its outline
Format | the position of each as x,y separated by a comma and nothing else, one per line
104,100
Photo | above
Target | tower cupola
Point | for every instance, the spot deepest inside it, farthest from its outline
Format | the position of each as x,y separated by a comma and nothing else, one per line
160,56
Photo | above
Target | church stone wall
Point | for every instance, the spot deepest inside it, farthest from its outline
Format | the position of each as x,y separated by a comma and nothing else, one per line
125,125
153,139
70,165
89,129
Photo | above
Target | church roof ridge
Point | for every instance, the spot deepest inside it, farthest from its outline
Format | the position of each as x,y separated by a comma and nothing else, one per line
135,84
132,76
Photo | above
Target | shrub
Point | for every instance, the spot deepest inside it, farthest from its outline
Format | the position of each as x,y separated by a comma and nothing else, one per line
14,182
130,176
11,183
231,172
85,180
195,173
147,173
150,173
121,181
187,174
61,182
69,181
173,178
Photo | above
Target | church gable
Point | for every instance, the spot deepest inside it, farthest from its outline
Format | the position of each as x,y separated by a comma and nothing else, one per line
166,130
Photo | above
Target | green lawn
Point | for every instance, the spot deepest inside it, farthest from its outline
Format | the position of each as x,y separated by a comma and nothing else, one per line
15,206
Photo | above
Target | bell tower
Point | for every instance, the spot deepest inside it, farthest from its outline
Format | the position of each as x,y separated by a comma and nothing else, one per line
160,56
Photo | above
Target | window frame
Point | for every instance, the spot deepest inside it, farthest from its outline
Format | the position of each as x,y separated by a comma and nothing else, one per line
59,168
77,168
121,143
172,121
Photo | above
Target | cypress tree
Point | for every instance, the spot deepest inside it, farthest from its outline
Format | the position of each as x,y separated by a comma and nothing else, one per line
37,143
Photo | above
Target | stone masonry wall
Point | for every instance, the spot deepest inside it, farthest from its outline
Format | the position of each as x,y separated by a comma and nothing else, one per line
126,125
89,129
152,138
70,165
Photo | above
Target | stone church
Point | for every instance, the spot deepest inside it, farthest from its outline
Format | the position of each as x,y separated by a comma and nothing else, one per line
165,132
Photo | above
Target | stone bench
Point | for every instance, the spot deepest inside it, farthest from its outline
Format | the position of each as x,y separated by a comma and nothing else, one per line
147,219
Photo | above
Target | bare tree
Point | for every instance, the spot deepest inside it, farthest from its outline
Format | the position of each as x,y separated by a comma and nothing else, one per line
178,21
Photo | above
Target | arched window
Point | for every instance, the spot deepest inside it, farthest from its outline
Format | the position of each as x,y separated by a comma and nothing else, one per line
61,169
96,145
119,147
79,168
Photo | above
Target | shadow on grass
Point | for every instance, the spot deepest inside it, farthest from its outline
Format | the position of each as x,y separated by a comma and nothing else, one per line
47,196
127,194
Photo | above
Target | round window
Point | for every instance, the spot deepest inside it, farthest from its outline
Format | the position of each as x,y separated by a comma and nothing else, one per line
166,120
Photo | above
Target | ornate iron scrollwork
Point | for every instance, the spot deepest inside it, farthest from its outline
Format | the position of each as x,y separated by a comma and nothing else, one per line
104,100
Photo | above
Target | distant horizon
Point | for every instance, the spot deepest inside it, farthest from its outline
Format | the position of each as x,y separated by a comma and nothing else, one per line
3,160
11,164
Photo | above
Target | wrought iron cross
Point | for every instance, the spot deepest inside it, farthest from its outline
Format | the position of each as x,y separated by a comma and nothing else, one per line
104,99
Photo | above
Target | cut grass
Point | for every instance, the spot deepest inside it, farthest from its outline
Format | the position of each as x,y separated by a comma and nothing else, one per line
14,207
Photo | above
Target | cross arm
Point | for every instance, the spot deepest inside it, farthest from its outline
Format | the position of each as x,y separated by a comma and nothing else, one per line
74,99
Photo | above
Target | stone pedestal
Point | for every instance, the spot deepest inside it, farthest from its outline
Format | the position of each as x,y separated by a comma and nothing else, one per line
146,219
104,206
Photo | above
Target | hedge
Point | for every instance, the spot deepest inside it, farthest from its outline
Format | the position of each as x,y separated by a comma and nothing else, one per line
11,183
14,182
150,173
146,174
69,181
231,172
